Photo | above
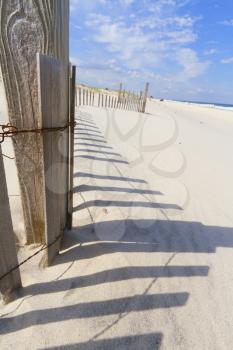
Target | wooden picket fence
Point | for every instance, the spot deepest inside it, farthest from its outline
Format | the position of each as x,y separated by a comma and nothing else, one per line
124,100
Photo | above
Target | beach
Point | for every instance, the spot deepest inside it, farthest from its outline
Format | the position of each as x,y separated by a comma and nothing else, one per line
148,264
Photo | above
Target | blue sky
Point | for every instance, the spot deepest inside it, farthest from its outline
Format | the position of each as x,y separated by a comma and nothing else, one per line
182,47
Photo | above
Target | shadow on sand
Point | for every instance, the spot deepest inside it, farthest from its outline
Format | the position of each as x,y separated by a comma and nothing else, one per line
137,342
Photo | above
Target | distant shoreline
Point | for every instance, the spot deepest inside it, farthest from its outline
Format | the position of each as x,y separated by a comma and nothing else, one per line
216,105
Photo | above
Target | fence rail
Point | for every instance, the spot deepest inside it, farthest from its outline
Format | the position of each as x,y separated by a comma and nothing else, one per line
124,100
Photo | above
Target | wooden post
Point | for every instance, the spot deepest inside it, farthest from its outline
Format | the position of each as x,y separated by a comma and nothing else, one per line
8,256
80,96
127,100
52,92
137,101
134,102
115,105
71,146
130,102
145,98
86,97
28,27
119,93
140,102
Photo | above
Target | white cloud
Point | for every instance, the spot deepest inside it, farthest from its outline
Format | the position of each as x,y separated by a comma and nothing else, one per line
228,22
128,42
227,60
192,66
149,42
136,46
210,52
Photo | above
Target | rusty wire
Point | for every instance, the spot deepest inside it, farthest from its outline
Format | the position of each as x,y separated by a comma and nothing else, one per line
9,130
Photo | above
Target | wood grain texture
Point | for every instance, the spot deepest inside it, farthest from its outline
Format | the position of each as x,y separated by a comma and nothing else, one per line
28,27
8,256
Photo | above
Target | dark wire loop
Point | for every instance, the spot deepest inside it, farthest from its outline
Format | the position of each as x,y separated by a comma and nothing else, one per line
7,131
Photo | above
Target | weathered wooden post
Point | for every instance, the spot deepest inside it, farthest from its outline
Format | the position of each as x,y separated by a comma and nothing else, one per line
137,103
28,27
80,96
119,93
71,145
140,102
9,277
145,98
87,97
83,97
55,124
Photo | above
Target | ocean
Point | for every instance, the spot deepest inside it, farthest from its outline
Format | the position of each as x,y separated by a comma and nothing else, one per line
212,104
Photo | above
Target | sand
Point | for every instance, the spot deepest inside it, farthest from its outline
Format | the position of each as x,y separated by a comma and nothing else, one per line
148,264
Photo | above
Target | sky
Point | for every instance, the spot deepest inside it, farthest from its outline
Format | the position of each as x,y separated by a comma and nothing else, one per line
183,48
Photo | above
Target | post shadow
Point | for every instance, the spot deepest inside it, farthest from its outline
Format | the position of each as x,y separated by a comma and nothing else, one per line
88,188
97,151
80,134
134,342
102,159
93,126
91,145
116,275
85,120
150,236
90,139
109,177
87,129
125,204
93,309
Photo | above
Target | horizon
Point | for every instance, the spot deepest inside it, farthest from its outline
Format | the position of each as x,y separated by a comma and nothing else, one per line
207,102
180,46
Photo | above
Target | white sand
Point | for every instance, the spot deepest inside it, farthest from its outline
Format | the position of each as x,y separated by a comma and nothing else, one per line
149,262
